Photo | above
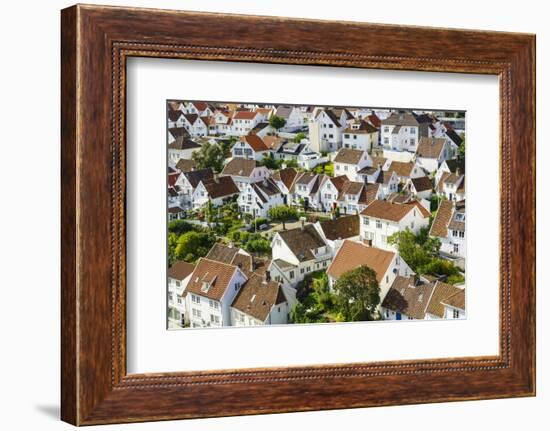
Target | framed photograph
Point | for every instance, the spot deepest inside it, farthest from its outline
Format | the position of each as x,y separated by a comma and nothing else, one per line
251,205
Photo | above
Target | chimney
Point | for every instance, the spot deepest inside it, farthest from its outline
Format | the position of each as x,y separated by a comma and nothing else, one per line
368,242
267,277
413,280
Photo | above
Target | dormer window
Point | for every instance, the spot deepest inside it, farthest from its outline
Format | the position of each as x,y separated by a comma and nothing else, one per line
205,286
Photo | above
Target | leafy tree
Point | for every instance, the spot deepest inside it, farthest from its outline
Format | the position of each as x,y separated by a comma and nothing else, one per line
357,294
257,244
180,227
415,250
209,156
277,122
282,214
271,163
462,148
299,136
291,163
192,245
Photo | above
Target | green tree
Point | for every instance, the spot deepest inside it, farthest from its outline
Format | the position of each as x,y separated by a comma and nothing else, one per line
192,245
209,156
282,214
277,122
357,294
415,250
299,136
179,227
270,163
462,148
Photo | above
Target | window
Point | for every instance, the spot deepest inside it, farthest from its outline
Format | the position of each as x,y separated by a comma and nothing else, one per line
195,299
456,314
237,286
378,224
455,233
387,313
455,248
346,136
461,234
196,313
413,142
412,225
178,283
331,126
331,136
387,279
366,221
170,297
386,129
302,270
179,300
386,141
291,274
308,269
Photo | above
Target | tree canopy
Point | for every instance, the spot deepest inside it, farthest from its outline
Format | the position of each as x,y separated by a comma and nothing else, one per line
357,295
209,156
192,245
299,136
282,214
277,122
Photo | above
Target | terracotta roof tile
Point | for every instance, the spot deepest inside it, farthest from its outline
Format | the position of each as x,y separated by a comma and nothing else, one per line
211,279
341,228
302,241
180,269
349,156
442,219
240,167
255,142
220,187
430,148
441,292
257,296
408,297
456,300
353,254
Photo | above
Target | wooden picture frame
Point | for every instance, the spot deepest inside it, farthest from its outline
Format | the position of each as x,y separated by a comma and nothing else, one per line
95,43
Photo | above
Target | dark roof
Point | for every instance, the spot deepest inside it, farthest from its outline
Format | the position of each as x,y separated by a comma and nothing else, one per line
195,177
240,167
257,296
400,119
453,136
191,118
349,156
220,187
302,241
266,187
305,178
222,253
441,292
176,132
180,269
341,228
185,165
174,114
363,128
368,194
456,300
430,148
442,219
183,143
422,183
286,176
333,117
408,297
351,188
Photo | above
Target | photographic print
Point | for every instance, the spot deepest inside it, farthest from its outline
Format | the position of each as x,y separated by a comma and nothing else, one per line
299,214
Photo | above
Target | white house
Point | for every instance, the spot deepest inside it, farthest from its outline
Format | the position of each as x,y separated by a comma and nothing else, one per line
293,116
296,253
285,178
452,165
419,188
188,183
452,185
182,148
329,192
449,227
245,171
222,123
304,188
202,109
407,299
386,264
175,119
335,232
258,198
406,170
401,132
446,302
325,130
179,275
388,181
381,219
360,135
215,190
243,122
348,199
348,162
210,292
431,153
260,301
250,147
195,125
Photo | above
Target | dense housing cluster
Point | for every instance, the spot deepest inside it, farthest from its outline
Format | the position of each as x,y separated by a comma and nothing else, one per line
282,214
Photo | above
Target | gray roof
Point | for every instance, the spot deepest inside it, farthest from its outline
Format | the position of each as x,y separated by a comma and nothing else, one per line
302,241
